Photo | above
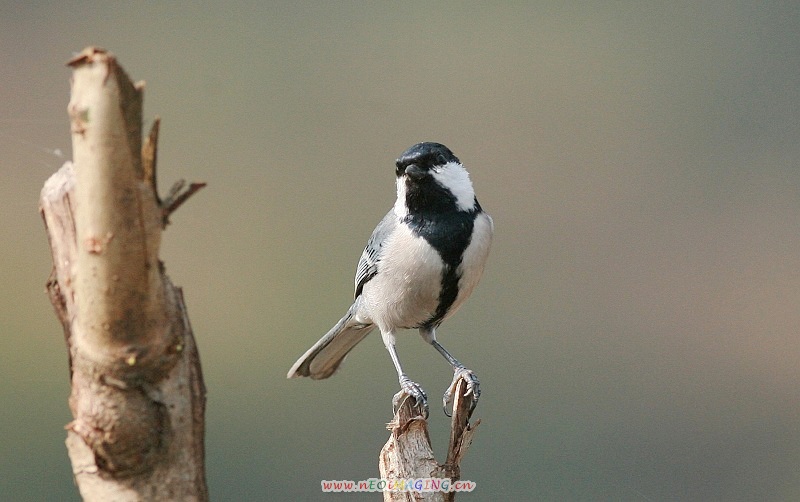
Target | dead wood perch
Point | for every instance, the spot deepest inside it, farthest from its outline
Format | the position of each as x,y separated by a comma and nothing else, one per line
408,453
137,392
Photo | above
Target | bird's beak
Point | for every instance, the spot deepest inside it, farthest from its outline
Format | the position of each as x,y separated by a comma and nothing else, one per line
414,172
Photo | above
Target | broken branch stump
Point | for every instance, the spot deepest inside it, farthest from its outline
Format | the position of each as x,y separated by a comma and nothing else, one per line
408,454
137,393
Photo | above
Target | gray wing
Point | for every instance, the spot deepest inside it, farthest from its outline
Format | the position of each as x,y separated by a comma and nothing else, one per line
368,264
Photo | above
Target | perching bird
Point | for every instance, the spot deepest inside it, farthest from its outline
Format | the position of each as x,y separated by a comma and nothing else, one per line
419,266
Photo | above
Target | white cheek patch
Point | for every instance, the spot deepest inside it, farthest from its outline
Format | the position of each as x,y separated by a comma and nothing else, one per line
400,208
455,178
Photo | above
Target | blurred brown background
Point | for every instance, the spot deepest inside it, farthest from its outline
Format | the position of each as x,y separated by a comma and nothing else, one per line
636,332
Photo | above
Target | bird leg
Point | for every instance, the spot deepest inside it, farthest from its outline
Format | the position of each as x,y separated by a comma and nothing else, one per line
460,371
407,386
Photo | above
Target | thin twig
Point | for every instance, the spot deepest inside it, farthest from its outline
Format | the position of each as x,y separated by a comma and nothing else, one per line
175,198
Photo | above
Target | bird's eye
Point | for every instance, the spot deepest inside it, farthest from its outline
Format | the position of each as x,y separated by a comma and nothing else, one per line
441,159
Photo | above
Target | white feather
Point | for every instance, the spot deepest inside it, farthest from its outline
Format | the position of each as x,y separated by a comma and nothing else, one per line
406,291
400,208
474,259
455,178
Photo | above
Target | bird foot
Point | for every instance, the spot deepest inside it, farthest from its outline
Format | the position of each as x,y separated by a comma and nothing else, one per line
412,390
473,389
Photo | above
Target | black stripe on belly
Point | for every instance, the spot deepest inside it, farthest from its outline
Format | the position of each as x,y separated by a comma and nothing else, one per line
449,235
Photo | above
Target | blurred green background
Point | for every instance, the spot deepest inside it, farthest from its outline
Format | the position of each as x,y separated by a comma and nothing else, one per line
636,331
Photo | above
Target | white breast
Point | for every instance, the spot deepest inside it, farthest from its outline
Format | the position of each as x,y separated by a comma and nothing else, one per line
405,292
474,259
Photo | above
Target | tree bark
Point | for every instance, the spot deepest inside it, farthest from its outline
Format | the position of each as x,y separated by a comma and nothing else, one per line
408,455
137,398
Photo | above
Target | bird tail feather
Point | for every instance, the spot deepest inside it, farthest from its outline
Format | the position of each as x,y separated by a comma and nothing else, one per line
323,359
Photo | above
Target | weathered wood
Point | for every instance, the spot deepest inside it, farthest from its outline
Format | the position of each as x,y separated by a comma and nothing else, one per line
408,454
137,397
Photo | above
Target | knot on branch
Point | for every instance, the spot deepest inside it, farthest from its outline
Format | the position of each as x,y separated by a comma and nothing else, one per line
123,426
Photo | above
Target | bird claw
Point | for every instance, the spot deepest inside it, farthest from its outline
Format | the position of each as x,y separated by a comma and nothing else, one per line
412,390
473,389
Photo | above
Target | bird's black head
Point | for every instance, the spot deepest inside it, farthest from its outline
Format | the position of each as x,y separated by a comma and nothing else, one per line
431,181
424,156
